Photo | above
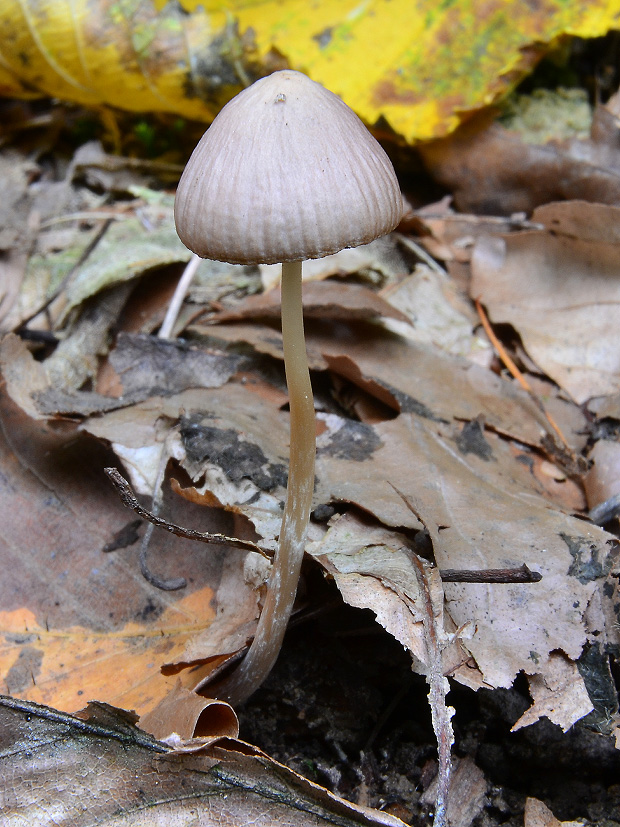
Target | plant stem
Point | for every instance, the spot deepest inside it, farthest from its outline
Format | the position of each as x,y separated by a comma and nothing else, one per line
282,585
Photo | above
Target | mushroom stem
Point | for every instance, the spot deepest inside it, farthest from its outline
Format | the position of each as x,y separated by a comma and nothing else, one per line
282,586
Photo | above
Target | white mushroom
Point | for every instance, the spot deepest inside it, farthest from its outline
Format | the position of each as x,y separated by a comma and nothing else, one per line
285,172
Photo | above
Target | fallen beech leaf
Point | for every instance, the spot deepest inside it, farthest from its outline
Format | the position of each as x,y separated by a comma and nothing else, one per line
98,767
559,288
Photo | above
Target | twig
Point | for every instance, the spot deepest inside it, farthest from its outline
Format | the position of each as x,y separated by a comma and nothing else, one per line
514,370
435,640
129,500
183,285
438,688
521,574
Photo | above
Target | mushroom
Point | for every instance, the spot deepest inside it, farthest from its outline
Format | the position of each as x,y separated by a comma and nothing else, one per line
286,172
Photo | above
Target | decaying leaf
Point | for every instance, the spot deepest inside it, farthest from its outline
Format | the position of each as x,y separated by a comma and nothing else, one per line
559,288
507,175
77,623
559,695
229,784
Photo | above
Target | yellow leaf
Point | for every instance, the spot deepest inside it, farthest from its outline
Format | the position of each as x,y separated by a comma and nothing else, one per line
419,65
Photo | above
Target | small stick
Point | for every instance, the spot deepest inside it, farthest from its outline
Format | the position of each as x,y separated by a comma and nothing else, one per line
514,370
522,574
129,500
183,285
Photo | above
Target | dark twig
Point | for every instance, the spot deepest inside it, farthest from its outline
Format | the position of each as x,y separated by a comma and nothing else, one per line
129,500
522,574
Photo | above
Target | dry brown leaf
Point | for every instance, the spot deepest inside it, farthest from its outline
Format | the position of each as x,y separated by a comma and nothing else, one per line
537,814
160,366
559,288
418,378
491,170
188,715
380,261
603,480
322,300
143,366
491,519
558,694
438,314
439,387
77,623
223,786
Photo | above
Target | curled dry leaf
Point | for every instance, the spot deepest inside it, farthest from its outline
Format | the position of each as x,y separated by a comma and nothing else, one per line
186,716
559,288
219,786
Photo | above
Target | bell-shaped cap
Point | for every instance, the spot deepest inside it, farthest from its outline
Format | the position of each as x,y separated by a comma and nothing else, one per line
285,172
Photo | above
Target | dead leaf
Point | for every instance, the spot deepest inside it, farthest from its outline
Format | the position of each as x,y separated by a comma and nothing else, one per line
438,314
537,814
558,694
491,520
146,363
493,171
559,288
188,715
603,480
77,623
383,260
98,765
322,300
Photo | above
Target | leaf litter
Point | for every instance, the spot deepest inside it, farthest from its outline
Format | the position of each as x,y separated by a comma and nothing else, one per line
449,468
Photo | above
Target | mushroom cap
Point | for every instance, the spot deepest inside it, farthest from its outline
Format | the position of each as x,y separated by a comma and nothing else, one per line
285,172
